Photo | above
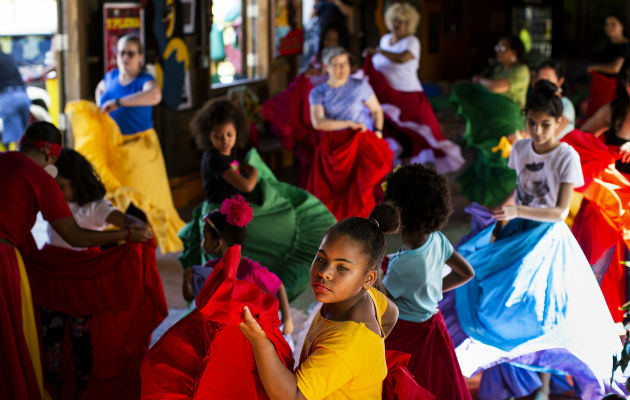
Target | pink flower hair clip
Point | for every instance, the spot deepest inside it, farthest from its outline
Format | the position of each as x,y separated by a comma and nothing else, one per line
237,211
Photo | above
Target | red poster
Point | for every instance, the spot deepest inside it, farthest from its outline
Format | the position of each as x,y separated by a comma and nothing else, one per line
120,19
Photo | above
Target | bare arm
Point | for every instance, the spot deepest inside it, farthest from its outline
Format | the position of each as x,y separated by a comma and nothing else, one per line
149,96
500,85
377,114
550,214
344,8
244,184
461,272
397,57
598,122
187,289
100,89
320,122
278,380
122,220
388,320
611,68
285,310
76,236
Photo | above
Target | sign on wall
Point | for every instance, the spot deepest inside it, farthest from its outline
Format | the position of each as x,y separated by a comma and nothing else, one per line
120,19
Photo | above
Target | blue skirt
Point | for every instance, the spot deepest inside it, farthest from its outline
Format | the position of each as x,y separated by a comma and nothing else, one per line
534,302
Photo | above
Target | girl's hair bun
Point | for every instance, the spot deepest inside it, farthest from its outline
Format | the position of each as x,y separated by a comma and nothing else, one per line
546,87
386,217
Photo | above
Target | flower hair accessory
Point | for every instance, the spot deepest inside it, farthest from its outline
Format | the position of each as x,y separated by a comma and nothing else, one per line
237,211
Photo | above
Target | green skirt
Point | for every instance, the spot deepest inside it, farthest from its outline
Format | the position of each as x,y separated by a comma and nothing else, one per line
489,117
284,235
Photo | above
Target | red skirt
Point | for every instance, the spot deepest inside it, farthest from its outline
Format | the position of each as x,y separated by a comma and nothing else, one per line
601,91
122,289
18,379
433,361
205,355
347,170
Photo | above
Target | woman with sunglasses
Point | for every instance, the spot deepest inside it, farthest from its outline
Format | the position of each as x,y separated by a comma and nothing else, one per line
127,154
492,107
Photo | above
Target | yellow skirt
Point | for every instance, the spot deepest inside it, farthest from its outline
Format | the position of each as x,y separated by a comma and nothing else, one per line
131,167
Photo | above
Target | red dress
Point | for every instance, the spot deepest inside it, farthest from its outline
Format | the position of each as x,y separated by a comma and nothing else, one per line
603,221
122,290
205,355
411,114
25,189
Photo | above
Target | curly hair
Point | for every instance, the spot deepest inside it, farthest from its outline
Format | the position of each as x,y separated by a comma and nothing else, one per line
85,181
214,114
405,12
370,232
422,196
516,44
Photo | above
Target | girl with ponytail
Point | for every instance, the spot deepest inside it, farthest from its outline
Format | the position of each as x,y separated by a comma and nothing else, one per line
533,288
343,355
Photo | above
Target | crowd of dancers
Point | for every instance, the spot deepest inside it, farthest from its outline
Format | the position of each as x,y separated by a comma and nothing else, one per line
530,297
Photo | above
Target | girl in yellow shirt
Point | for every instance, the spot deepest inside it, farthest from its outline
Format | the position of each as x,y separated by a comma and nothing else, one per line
343,356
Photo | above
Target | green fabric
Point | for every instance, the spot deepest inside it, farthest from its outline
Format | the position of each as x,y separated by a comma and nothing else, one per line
489,116
284,235
518,75
488,181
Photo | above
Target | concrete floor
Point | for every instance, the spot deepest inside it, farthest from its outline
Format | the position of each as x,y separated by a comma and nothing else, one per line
458,225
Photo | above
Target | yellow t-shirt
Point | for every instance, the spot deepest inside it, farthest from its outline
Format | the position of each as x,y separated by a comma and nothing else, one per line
343,360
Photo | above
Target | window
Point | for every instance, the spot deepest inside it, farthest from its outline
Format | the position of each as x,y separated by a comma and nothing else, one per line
239,49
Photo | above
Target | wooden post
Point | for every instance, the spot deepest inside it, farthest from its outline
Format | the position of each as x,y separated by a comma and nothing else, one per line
74,66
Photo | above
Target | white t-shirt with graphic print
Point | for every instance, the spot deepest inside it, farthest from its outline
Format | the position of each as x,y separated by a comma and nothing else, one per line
539,175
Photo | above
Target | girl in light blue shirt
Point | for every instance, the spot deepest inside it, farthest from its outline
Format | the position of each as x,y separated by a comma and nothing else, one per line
415,280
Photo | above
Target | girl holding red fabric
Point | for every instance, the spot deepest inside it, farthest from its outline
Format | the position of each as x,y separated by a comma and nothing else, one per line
414,280
350,158
223,229
27,188
85,194
343,355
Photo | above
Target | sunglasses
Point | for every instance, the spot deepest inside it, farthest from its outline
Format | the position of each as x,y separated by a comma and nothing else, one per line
500,48
129,53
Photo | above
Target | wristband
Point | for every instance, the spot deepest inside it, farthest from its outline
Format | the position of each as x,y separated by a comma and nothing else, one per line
128,233
118,103
378,130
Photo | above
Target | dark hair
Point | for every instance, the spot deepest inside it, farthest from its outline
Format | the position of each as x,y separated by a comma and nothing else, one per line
42,130
86,183
214,114
613,396
621,103
342,32
515,44
557,67
370,232
231,234
617,17
544,98
422,196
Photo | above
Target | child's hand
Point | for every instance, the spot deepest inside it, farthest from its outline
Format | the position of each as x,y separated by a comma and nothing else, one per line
140,233
250,327
506,213
187,289
287,327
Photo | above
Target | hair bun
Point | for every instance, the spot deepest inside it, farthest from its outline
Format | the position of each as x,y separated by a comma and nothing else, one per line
237,211
386,217
546,87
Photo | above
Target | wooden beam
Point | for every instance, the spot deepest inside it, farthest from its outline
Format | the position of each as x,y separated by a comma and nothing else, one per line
74,68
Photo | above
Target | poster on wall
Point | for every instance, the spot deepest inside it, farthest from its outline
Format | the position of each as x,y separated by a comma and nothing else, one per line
287,27
120,19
